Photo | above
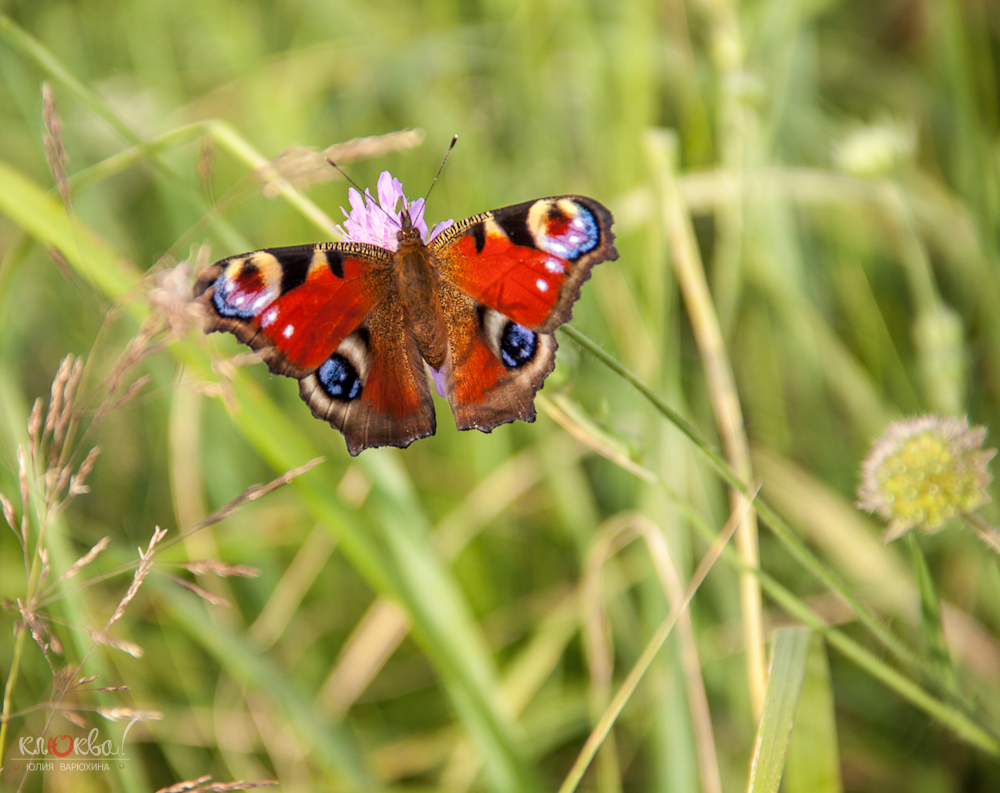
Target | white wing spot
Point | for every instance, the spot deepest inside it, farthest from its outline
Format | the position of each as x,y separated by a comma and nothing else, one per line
288,331
542,285
239,301
554,266
260,302
269,317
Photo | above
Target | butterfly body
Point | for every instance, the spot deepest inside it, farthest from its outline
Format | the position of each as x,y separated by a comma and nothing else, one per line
354,322
418,284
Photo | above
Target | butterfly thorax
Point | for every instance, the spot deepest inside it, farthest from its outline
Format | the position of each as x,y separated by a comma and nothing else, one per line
418,289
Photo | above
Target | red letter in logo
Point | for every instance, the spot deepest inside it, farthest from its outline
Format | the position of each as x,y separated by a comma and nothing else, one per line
54,750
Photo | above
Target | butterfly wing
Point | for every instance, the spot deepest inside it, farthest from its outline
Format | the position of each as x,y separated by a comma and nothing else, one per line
511,277
329,316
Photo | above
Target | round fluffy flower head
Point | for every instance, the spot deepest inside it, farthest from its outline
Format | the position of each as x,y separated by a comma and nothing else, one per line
379,223
925,471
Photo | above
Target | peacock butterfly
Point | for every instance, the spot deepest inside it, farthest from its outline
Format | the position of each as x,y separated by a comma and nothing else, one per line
353,321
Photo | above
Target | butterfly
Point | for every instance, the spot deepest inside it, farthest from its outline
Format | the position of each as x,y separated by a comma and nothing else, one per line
479,301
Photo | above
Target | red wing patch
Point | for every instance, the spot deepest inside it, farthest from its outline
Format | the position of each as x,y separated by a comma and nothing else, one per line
374,387
489,378
528,261
299,302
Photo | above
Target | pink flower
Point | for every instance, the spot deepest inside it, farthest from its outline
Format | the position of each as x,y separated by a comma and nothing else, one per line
379,223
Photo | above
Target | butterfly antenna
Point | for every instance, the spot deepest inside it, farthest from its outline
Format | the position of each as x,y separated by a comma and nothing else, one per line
454,140
358,188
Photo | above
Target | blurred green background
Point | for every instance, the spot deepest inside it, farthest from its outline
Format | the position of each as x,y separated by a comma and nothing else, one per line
422,617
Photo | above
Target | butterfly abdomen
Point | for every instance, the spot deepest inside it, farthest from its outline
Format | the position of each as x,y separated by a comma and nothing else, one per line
418,289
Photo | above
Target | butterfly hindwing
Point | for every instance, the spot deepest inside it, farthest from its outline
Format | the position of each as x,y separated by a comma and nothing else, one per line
494,366
374,387
512,277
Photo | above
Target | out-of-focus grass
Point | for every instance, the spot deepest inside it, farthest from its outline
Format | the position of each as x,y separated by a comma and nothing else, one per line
839,165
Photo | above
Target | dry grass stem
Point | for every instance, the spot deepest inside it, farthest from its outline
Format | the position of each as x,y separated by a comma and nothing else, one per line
63,481
170,296
116,714
55,152
56,395
73,717
206,159
118,644
22,476
252,493
77,485
985,531
198,786
62,263
38,631
10,517
84,560
35,428
66,415
140,574
610,716
214,566
301,166
690,272
43,557
182,787
204,594
131,392
590,438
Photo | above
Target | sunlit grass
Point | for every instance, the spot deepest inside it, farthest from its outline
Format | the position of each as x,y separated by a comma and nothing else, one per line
458,615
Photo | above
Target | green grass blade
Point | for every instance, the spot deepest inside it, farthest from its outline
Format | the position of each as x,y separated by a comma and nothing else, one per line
813,764
782,530
781,699
930,614
245,665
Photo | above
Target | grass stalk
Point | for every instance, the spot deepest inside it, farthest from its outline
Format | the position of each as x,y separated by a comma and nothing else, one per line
722,388
782,531
603,727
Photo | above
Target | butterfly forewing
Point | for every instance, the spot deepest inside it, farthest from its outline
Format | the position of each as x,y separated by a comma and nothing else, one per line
297,304
529,260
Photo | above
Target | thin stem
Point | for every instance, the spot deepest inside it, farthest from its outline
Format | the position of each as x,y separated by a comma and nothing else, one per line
9,687
722,389
781,529
613,711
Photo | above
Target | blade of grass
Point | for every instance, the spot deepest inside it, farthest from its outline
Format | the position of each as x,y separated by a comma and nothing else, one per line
690,273
248,667
784,533
930,614
813,764
784,682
